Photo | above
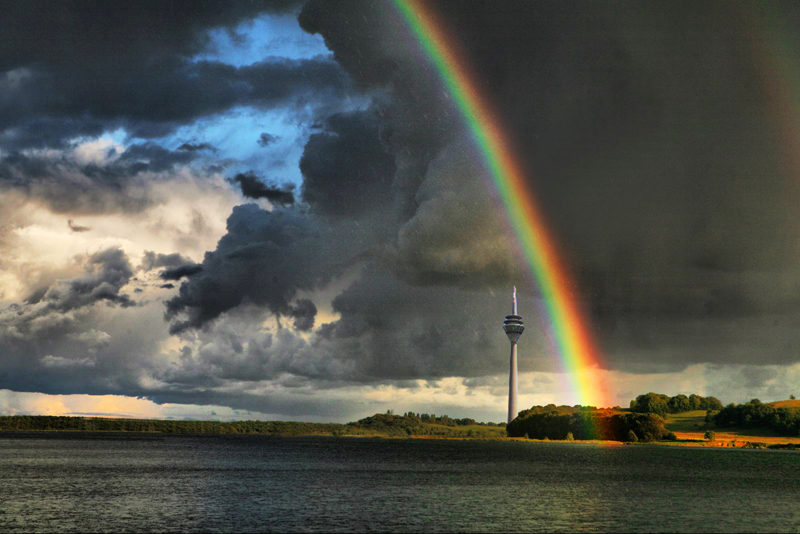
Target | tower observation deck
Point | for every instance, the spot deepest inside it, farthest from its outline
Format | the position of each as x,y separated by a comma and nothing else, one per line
513,328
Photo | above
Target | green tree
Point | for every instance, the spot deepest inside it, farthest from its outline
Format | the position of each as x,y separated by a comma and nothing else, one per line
679,404
632,437
710,435
711,403
695,402
651,403
570,437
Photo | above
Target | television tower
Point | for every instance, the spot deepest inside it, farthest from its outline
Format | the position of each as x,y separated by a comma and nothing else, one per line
513,328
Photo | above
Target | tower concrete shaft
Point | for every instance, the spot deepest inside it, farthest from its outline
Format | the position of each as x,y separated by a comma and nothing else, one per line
512,385
513,328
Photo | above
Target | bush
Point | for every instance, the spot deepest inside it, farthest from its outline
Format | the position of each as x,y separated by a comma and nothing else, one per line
671,436
632,437
710,435
570,437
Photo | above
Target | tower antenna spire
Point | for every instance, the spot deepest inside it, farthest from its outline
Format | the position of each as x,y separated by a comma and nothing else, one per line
514,306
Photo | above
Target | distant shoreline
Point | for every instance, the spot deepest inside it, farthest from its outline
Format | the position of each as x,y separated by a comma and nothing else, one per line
751,426
135,435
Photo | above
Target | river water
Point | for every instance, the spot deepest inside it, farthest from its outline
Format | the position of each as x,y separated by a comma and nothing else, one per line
117,483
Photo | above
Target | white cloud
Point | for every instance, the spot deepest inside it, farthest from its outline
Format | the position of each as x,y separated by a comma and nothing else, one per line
99,151
60,361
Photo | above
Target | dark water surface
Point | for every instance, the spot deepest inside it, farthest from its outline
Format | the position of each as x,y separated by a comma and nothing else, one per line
254,483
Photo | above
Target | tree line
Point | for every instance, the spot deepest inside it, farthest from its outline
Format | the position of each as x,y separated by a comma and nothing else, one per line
22,423
584,425
661,404
411,424
784,420
377,425
445,420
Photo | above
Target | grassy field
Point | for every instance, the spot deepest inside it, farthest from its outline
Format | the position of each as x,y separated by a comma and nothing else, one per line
692,426
786,404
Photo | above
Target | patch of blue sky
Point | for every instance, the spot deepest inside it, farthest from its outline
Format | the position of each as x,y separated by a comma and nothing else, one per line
118,136
235,135
260,38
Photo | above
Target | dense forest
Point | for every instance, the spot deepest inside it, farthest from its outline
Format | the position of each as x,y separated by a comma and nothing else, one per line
784,420
581,424
377,425
661,404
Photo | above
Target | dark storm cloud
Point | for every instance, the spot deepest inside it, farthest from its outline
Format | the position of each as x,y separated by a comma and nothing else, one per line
661,175
183,271
267,257
105,274
264,259
196,147
142,157
303,313
424,226
266,139
71,75
152,260
254,188
167,94
375,48
366,50
346,169
55,33
456,237
390,329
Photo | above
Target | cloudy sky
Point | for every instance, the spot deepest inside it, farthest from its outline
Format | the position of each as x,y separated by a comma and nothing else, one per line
273,209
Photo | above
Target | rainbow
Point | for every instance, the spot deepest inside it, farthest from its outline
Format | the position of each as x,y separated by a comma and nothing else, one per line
575,345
